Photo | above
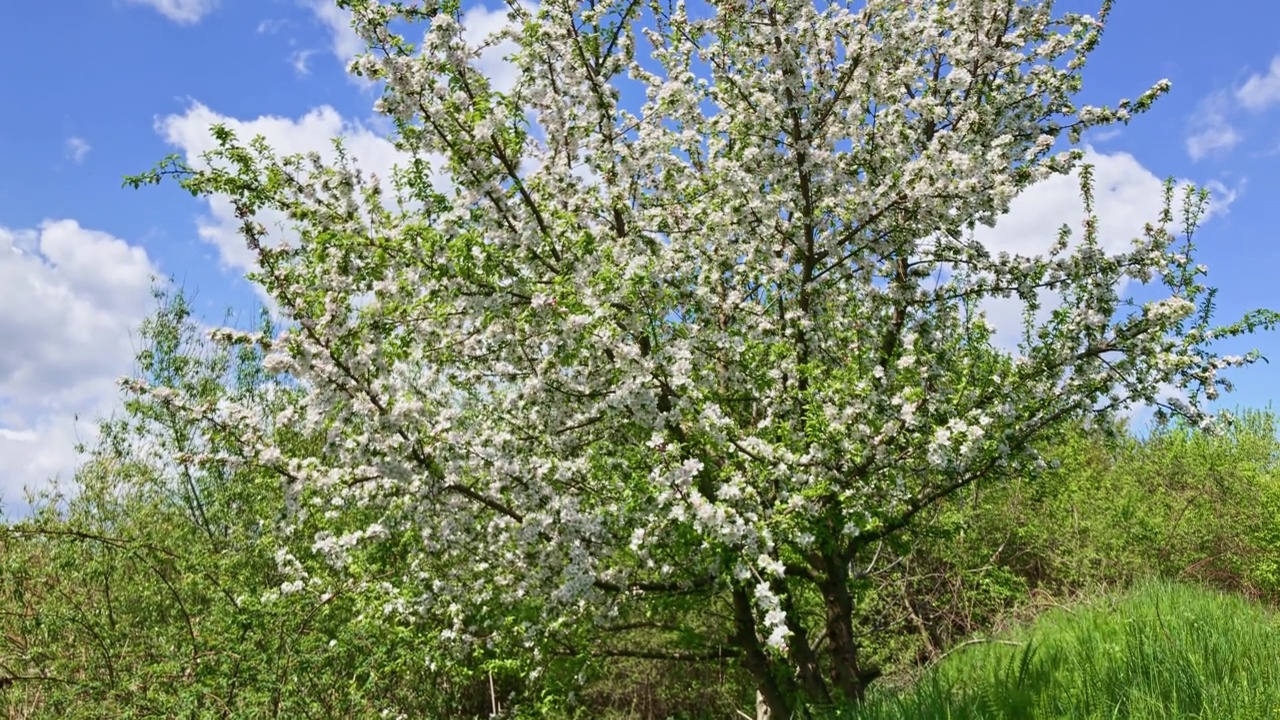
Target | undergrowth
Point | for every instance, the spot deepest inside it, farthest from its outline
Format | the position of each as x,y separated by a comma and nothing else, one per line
1164,650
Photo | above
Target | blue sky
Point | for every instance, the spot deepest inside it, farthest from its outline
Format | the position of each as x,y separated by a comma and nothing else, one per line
96,89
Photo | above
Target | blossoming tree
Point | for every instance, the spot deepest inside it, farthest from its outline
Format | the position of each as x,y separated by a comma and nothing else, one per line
685,313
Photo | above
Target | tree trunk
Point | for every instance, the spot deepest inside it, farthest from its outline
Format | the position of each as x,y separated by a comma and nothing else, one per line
804,660
849,679
774,695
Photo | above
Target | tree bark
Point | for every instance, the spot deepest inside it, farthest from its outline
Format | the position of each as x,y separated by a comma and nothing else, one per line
801,653
847,677
774,695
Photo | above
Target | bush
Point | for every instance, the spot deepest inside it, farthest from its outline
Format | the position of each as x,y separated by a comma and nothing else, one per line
1115,509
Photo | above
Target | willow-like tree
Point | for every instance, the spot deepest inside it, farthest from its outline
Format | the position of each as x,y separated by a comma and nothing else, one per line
679,312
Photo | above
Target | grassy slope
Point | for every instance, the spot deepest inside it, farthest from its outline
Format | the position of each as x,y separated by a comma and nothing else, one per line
1161,651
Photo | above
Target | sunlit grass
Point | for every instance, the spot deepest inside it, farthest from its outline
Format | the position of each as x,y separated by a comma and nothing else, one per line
1162,651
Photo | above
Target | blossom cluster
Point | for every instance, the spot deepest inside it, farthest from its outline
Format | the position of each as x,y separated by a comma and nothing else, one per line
699,308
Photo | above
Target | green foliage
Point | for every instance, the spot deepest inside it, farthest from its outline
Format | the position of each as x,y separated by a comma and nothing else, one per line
153,590
728,365
1164,651
1178,504
1114,510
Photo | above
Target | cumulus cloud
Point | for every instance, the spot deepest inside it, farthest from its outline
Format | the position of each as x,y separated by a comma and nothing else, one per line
1221,197
478,23
1261,91
184,12
1126,197
312,132
70,301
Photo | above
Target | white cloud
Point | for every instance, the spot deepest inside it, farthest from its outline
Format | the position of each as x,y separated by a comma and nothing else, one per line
1260,92
271,26
315,130
77,148
185,12
70,300
344,42
478,24
1218,137
1211,129
1126,197
1211,132
312,132
300,60
1221,197
1102,135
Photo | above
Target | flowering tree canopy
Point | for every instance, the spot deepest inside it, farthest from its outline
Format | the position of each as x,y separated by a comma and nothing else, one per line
682,308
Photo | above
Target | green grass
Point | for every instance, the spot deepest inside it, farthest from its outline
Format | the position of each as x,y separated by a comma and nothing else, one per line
1161,651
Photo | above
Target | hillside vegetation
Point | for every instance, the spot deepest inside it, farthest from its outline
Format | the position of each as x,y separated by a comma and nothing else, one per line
155,592
670,372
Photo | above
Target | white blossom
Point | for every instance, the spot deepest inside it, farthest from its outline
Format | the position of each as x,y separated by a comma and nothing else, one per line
642,342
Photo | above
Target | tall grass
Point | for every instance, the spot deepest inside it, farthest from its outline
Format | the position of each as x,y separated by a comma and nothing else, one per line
1162,651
